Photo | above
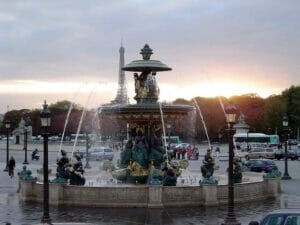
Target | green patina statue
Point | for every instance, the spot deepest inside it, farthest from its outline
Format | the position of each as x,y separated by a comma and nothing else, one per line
237,170
273,173
26,175
207,169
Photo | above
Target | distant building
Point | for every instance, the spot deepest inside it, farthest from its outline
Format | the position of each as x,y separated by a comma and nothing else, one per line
19,132
121,97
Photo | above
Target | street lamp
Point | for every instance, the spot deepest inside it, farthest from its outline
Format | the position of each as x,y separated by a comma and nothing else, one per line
169,135
285,124
45,116
26,125
230,119
87,165
7,126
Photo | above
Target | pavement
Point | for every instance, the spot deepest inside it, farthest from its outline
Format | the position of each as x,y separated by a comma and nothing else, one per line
17,212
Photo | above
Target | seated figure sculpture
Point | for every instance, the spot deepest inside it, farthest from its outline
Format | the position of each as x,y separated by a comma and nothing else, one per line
135,149
76,172
207,168
170,178
157,152
237,170
61,166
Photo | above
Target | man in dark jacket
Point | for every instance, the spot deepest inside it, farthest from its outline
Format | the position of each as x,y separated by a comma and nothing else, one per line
11,166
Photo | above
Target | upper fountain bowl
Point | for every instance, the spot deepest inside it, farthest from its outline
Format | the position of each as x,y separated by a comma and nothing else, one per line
146,64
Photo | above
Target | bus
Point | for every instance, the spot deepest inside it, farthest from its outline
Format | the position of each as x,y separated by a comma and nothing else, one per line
242,139
174,140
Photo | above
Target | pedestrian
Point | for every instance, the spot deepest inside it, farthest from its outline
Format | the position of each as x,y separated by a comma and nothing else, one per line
217,151
11,166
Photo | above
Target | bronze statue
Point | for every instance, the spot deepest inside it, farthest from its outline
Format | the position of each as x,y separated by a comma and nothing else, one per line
207,168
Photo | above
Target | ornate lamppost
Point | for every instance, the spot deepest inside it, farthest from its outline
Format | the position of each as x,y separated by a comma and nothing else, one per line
87,146
26,125
285,124
230,119
45,123
7,126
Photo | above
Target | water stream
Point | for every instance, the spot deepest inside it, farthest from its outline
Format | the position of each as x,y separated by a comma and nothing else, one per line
67,118
203,122
163,126
81,119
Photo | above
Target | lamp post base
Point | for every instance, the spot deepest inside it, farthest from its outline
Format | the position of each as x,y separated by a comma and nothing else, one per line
231,221
25,162
87,166
6,169
286,177
46,220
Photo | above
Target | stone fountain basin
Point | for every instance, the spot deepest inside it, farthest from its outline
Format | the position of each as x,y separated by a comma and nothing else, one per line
185,194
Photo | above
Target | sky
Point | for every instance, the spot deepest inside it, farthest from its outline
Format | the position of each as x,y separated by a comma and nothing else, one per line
58,49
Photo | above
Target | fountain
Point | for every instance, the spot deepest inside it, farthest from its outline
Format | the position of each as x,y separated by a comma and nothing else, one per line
138,180
145,149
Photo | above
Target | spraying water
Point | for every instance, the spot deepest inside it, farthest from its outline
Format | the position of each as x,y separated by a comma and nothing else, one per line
203,122
222,105
96,117
163,125
67,118
81,119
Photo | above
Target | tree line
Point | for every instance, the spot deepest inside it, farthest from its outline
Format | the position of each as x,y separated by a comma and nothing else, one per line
262,115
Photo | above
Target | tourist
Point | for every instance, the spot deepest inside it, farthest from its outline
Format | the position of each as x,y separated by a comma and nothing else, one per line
11,166
189,152
217,151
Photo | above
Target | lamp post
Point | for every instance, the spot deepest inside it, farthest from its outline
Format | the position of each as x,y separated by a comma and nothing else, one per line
248,140
169,135
26,125
230,119
45,123
87,146
7,126
285,124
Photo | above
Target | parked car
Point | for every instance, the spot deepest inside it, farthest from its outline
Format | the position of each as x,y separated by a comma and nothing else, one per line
182,146
280,217
81,152
292,154
100,153
260,165
259,153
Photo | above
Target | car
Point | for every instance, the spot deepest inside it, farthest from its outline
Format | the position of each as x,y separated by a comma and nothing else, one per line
259,153
182,146
292,154
260,165
81,152
293,142
100,153
280,217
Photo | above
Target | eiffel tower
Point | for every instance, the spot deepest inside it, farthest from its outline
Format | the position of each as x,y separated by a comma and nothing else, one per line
121,97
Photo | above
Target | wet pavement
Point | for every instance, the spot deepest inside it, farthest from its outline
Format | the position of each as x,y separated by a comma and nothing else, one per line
17,212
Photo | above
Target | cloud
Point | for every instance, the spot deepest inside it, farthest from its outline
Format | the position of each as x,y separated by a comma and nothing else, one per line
65,41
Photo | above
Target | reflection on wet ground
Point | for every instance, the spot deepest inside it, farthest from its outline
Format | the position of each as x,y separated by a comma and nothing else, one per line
30,213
